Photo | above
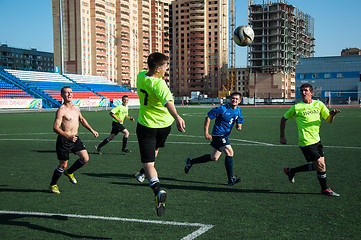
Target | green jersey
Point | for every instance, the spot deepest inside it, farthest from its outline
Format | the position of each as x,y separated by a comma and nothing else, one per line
120,112
308,119
153,95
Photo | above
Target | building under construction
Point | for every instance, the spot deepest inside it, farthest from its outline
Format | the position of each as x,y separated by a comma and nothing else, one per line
283,34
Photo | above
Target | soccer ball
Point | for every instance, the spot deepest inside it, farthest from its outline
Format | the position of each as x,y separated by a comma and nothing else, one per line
243,35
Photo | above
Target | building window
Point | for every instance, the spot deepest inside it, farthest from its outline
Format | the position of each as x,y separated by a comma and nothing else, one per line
339,75
327,75
302,76
314,75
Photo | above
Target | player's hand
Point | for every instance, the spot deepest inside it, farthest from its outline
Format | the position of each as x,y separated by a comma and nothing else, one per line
335,111
132,119
239,127
73,138
283,140
96,134
181,124
208,136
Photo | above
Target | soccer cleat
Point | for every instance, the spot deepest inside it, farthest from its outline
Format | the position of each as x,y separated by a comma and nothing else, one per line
54,189
98,150
188,165
139,176
160,202
329,192
126,150
70,176
289,174
234,180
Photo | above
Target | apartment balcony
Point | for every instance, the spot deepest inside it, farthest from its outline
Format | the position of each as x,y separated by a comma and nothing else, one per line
197,71
99,3
101,67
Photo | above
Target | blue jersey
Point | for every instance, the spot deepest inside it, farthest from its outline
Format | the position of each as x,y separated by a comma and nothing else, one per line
225,119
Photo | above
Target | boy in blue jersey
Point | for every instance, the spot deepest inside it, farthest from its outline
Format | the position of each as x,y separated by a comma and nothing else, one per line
226,116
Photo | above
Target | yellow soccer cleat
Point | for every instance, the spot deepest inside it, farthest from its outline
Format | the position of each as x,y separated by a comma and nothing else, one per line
70,176
54,189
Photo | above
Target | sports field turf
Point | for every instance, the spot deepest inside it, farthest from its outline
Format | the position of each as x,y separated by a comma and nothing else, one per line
108,203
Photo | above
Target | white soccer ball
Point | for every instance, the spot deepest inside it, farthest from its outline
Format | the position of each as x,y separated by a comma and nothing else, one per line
243,35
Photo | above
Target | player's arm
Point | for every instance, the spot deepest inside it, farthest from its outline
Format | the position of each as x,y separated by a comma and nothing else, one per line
85,123
130,118
282,130
332,115
115,117
173,111
207,121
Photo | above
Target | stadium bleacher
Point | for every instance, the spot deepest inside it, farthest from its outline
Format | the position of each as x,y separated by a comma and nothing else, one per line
51,84
8,90
102,86
46,85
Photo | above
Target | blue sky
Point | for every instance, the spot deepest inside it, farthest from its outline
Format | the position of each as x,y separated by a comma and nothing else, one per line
28,24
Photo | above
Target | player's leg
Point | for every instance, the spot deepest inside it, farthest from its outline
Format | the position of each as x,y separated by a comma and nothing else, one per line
82,160
311,154
63,147
106,141
214,156
56,175
125,141
232,179
320,166
149,140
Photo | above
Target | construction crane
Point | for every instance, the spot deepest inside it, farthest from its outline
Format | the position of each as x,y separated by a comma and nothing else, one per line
226,89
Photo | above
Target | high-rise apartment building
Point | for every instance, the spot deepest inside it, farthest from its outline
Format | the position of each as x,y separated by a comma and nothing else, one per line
110,38
283,34
200,47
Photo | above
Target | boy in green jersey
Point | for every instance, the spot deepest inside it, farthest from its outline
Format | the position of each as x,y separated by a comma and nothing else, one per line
156,115
118,114
308,114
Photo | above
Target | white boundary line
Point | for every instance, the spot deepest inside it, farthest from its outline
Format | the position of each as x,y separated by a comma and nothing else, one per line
202,227
246,142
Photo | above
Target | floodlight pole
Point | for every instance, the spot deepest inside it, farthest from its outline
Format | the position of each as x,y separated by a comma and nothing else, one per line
61,38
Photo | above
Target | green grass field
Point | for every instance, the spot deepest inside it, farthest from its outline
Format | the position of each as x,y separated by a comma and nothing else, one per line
108,203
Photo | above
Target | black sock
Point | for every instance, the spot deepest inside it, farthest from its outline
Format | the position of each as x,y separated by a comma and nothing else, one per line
202,159
105,141
78,164
303,168
125,140
56,175
321,176
229,166
155,185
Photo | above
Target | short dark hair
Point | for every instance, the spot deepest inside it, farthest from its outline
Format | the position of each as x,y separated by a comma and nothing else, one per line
306,85
156,60
124,96
62,89
236,93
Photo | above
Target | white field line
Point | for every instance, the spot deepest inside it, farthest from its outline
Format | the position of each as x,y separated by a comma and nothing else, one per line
202,227
246,142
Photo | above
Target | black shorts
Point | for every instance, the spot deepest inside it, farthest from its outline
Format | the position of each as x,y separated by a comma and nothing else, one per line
64,146
219,141
150,139
313,152
116,128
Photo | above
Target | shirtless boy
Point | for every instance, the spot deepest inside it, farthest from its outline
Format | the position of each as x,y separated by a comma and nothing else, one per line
66,125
